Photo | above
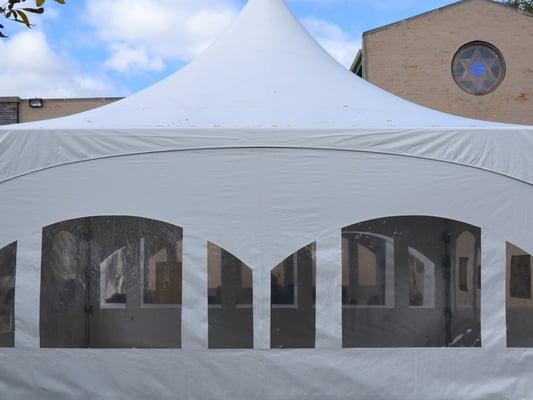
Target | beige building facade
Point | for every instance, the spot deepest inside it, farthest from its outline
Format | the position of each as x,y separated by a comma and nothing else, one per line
473,58
15,110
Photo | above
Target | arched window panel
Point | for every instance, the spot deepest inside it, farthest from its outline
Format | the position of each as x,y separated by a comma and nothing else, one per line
8,261
293,294
111,282
519,297
230,300
411,281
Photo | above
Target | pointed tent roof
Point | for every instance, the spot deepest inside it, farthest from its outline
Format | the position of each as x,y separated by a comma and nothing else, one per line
265,71
265,83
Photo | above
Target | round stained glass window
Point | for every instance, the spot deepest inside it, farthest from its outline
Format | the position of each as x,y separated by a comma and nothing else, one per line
478,68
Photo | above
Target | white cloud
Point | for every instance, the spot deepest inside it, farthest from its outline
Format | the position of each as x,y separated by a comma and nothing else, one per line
124,57
30,68
145,35
338,43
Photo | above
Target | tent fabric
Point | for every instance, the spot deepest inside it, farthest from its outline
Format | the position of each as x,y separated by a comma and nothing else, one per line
262,147
266,82
502,150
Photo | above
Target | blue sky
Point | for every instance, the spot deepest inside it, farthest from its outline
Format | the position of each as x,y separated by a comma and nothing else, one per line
117,47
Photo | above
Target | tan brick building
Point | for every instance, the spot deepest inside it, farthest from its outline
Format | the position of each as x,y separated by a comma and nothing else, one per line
472,58
16,110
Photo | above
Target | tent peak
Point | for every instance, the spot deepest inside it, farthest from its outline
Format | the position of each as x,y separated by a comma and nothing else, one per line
261,3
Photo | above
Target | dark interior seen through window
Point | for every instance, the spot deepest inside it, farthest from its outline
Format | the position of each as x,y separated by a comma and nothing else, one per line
8,260
293,301
230,300
519,297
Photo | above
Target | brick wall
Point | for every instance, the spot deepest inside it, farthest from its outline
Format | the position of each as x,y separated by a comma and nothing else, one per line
9,112
54,108
16,110
413,60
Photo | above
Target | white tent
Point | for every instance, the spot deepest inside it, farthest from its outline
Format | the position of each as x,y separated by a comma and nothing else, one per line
264,224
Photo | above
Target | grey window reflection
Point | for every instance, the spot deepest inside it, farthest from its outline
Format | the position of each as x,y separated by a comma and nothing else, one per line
293,288
162,272
8,260
411,282
421,280
230,299
519,297
112,279
520,277
107,282
368,270
463,274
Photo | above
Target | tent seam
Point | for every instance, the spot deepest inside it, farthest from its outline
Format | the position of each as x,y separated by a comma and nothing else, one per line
522,180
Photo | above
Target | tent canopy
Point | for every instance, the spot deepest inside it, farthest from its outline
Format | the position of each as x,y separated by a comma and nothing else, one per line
265,83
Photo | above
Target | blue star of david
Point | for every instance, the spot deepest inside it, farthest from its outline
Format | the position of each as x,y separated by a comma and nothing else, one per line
478,69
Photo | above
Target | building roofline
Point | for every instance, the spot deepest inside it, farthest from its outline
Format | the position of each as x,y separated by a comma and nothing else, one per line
15,99
10,99
78,98
437,10
357,61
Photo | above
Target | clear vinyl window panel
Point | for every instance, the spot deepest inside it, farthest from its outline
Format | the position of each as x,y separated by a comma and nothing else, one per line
411,281
230,300
293,291
519,297
111,282
8,261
